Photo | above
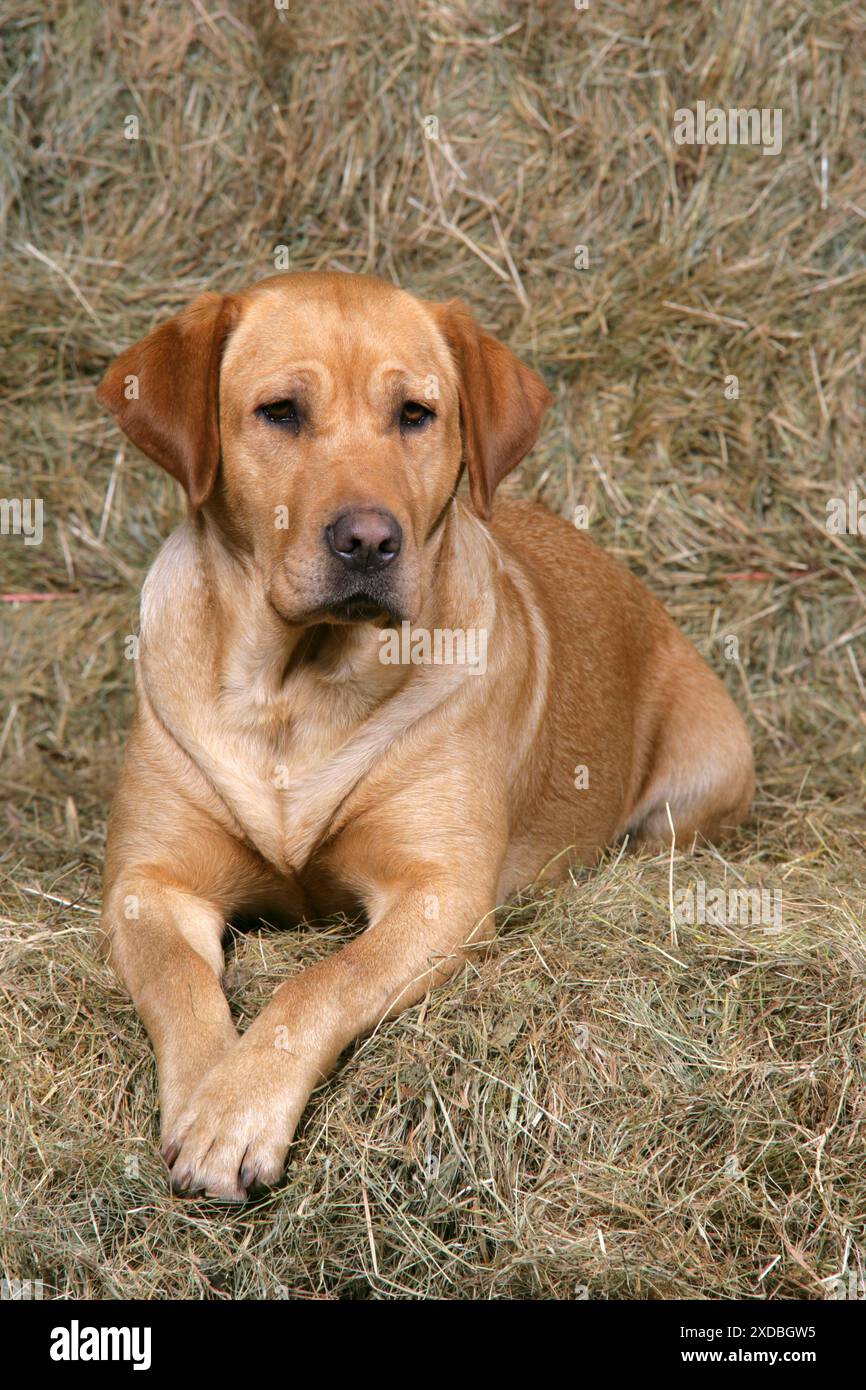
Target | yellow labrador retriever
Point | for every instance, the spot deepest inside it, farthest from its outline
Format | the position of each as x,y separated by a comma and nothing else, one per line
357,691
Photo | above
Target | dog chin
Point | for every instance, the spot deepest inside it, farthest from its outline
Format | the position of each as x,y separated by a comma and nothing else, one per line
361,609
352,610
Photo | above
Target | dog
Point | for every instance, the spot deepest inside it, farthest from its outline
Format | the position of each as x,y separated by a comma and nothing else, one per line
295,750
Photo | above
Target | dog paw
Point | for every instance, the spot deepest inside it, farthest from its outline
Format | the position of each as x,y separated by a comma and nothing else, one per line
179,1079
235,1133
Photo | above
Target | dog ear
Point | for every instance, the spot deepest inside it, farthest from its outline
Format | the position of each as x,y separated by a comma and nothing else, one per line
502,402
164,392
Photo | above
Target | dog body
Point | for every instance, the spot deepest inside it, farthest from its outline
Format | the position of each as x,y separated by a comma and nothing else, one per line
283,762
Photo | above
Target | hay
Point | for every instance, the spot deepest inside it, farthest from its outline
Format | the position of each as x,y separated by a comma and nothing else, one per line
601,1103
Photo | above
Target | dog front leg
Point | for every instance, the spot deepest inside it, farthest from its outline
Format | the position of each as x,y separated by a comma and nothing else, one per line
165,944
238,1127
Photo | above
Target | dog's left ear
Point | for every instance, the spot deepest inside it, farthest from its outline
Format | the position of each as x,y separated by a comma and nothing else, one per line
502,402
164,392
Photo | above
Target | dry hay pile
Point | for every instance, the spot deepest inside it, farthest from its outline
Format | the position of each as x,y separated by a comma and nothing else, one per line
601,1103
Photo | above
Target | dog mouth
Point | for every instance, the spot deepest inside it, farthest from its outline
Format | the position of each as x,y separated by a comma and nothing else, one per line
351,610
358,608
364,598
345,601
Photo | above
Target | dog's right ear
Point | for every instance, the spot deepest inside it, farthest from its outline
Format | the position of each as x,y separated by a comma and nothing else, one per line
164,392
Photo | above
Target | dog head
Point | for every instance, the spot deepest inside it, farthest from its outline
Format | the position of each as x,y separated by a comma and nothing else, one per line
322,422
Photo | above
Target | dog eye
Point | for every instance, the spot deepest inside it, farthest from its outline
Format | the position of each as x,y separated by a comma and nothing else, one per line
413,415
280,413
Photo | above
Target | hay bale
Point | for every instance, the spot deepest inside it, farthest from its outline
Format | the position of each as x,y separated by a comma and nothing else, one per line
595,1104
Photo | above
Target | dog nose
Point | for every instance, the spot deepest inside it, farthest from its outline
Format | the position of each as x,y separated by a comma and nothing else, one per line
365,539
